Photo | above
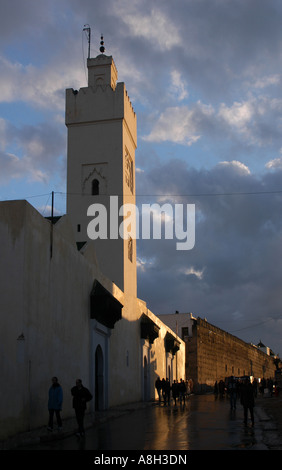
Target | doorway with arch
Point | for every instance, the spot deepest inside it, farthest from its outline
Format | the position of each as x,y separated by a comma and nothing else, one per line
99,379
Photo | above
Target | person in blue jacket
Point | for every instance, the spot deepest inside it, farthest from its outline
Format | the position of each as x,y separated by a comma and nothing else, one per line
55,403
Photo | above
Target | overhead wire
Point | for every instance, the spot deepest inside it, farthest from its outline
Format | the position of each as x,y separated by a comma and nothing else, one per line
247,193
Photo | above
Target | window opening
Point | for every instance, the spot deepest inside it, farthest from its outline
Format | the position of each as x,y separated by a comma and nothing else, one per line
95,187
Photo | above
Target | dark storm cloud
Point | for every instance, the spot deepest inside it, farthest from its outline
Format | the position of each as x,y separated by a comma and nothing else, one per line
35,152
231,273
214,44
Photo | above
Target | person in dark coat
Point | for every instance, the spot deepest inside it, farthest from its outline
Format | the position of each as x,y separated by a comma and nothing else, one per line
247,400
232,390
182,391
175,390
167,392
221,387
81,396
55,402
158,385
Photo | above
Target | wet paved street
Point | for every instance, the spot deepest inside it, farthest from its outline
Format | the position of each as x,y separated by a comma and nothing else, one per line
204,423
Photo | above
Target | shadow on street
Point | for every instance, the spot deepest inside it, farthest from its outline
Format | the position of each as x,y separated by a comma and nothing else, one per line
203,423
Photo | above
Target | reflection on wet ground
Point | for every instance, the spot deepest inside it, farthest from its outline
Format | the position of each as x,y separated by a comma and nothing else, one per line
204,423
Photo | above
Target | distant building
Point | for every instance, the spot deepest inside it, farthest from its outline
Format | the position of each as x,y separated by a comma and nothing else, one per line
182,325
213,354
264,349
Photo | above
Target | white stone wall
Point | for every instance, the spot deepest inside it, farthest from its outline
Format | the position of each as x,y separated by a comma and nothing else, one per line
45,324
177,321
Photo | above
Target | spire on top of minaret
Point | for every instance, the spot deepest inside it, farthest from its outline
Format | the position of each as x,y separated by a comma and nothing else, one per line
102,48
102,69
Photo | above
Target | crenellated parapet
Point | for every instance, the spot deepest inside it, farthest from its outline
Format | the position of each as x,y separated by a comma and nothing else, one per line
102,100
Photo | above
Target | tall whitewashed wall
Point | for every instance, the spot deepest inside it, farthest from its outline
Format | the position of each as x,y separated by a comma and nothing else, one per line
44,315
45,324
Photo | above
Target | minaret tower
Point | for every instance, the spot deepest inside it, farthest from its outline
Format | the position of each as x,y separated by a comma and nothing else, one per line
102,139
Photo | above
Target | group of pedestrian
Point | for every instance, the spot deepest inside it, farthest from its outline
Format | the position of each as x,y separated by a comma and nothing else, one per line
233,392
266,384
165,389
219,388
81,395
243,390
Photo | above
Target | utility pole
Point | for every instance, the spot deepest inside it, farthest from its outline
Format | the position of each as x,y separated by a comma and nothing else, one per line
52,210
51,234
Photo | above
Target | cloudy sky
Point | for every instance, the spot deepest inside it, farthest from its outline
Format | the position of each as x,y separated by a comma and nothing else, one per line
205,79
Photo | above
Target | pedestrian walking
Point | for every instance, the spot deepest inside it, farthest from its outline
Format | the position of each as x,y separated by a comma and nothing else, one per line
262,385
55,403
247,400
182,391
81,396
163,389
158,385
255,387
221,387
269,385
166,391
175,390
232,390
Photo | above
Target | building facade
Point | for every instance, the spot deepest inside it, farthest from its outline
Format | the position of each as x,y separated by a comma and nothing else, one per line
213,354
182,324
68,302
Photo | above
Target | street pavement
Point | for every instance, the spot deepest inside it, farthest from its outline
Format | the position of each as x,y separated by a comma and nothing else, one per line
205,422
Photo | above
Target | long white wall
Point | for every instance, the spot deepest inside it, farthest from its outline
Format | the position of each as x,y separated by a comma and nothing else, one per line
45,325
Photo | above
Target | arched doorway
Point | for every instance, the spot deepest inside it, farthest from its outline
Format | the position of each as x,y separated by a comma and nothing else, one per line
99,379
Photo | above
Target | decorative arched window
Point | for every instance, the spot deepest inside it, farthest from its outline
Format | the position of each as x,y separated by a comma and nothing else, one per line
95,187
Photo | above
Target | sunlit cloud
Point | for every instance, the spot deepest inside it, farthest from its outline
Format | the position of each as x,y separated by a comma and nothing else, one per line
182,125
237,166
153,25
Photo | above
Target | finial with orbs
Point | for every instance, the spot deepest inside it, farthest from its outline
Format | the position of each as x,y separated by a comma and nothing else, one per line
102,48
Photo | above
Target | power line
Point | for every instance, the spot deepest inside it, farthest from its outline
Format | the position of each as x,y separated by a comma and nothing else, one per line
28,197
49,195
251,326
38,195
258,324
246,193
